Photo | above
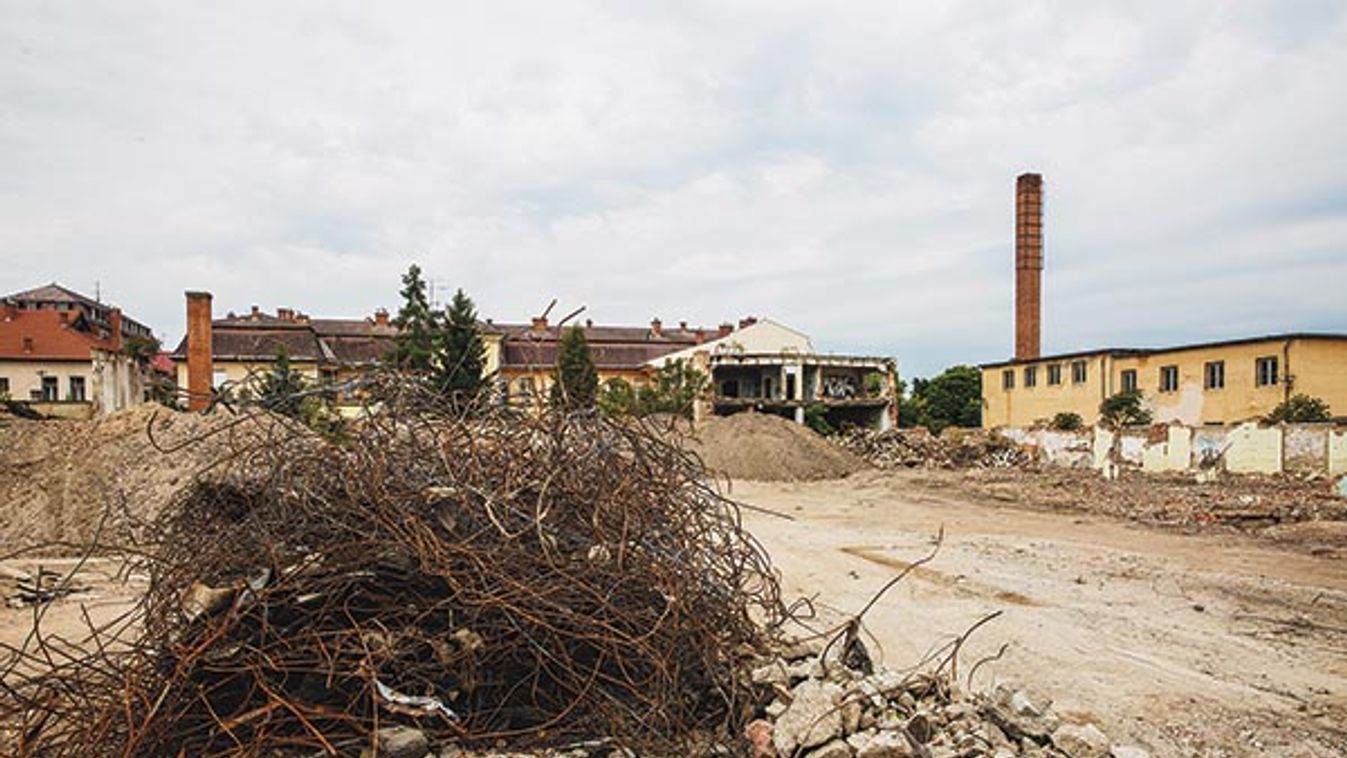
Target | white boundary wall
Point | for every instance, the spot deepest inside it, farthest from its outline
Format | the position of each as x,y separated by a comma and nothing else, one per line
1248,448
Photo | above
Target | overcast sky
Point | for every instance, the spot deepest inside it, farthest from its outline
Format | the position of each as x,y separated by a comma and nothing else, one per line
844,167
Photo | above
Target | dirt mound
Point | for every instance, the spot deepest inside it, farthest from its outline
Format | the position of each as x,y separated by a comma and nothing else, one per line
57,477
764,447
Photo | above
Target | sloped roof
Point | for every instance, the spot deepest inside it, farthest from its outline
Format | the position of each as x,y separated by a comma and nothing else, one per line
534,355
52,293
54,335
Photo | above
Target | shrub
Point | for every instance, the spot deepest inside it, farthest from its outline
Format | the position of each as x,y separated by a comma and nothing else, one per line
1300,409
816,418
1124,409
1067,421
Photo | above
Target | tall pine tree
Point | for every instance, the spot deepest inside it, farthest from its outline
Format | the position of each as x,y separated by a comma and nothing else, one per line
575,385
418,326
461,365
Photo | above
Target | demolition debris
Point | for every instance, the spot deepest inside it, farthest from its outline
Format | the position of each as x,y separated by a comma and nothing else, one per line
482,579
918,448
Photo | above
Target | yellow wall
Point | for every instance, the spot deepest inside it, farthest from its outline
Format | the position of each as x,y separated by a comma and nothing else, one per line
1318,368
237,371
26,376
1023,406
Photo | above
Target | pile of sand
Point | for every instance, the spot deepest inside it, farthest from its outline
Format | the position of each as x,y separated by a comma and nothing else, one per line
58,477
764,447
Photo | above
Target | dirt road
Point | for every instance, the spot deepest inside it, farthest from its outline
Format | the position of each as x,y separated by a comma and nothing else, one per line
1185,645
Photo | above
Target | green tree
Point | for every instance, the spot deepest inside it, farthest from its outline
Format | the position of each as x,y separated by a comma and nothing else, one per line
418,326
617,397
1124,409
575,384
1300,409
460,366
674,388
952,398
278,389
816,418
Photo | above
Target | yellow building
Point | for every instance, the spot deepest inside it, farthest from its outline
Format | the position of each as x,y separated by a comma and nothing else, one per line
1207,383
327,349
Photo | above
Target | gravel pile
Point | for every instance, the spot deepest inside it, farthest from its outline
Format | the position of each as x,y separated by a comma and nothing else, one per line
763,447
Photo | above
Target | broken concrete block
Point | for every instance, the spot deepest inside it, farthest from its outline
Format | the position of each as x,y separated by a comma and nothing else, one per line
400,742
885,744
834,749
1128,751
812,718
1081,741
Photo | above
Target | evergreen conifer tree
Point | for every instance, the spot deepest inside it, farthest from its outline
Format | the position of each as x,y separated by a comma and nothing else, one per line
462,362
576,382
417,325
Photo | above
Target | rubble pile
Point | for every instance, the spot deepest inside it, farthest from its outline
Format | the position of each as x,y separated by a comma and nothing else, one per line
818,710
918,448
432,581
764,447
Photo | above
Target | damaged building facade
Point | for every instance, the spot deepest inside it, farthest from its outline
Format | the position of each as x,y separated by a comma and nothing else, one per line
65,353
769,367
1218,382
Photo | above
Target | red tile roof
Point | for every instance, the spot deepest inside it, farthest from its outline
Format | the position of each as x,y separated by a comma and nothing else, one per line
47,335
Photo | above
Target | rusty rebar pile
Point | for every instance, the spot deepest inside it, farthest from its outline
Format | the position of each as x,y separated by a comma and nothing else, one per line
484,576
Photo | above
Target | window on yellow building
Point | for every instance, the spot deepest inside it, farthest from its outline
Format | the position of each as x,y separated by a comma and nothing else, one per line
1169,378
1077,372
1129,380
1031,376
1055,374
1008,379
1265,371
1213,375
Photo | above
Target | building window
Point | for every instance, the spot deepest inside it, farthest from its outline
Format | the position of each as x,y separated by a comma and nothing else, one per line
28,344
49,389
1077,372
1129,380
1031,376
76,389
1169,378
1008,379
1055,374
1265,371
1213,375
4,386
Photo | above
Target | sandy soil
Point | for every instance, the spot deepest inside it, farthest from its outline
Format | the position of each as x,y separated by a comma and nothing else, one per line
1207,645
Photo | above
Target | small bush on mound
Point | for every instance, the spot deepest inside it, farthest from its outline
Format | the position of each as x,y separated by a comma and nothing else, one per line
480,577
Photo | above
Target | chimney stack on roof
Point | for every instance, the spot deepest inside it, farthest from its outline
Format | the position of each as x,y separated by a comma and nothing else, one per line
1028,266
724,330
699,336
656,326
381,317
747,321
115,326
257,313
539,323
199,355
284,314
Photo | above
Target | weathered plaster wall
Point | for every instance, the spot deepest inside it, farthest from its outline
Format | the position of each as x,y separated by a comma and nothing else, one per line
1254,449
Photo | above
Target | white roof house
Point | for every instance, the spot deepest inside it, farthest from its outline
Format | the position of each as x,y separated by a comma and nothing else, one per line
761,336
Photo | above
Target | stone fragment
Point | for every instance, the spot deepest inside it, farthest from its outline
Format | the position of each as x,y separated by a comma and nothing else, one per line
834,749
400,742
885,744
759,736
812,718
773,672
919,726
1081,741
1129,751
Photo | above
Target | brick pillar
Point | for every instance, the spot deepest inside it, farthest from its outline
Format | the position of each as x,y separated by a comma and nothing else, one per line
1028,265
199,357
115,327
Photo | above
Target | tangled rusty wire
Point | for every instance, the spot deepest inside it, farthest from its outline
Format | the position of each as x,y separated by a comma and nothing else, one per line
486,577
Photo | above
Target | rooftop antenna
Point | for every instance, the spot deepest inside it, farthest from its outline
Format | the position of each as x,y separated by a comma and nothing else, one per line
98,292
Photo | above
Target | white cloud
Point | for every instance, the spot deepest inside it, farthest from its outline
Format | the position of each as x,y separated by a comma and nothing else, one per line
847,169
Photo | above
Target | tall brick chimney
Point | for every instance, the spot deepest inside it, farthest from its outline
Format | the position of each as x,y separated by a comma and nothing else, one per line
1028,266
115,327
199,357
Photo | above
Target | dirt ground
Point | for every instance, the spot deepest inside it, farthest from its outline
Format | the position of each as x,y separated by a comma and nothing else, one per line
1210,644
1188,640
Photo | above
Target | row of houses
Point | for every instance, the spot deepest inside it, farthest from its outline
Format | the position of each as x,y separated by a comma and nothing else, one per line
58,351
758,363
